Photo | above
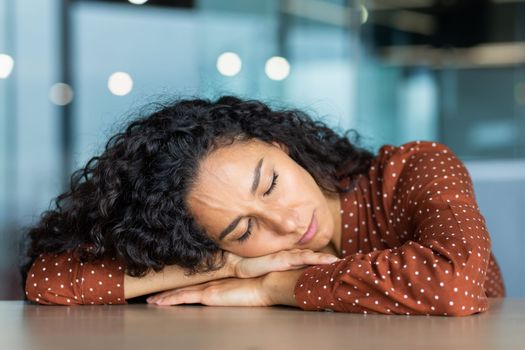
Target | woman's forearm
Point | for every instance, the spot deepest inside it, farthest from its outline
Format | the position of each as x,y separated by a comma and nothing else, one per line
170,277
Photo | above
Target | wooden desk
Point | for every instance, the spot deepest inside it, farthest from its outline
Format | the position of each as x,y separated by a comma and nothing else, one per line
147,327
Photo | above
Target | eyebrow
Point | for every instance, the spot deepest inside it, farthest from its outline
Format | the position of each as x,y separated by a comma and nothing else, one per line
255,185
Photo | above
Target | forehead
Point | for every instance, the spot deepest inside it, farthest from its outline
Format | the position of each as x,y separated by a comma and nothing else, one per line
234,155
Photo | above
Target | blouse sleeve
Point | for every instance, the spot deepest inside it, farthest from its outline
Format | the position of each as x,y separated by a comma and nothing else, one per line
63,279
440,265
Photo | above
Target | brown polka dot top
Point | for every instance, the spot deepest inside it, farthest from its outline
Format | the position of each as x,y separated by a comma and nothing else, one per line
413,242
64,279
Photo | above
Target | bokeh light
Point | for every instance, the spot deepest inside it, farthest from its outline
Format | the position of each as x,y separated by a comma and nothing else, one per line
120,83
6,65
277,68
61,94
229,64
364,13
138,2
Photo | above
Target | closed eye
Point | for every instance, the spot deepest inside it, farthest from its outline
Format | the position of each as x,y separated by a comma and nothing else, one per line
247,233
274,183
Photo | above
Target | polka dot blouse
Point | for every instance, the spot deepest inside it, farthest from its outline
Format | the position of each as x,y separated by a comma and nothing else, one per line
413,242
64,279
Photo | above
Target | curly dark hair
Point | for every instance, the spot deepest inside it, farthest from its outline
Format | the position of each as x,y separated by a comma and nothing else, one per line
129,202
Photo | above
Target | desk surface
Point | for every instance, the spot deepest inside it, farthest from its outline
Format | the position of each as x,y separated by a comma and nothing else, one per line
25,326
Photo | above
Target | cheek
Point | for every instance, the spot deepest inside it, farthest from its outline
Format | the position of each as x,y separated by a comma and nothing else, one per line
306,192
329,220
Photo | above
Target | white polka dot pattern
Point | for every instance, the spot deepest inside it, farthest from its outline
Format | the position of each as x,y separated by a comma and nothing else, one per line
413,241
62,279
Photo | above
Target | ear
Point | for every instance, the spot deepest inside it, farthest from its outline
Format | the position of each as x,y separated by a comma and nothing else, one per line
281,146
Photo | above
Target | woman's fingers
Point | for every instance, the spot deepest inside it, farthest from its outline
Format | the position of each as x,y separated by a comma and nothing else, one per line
179,295
312,258
280,261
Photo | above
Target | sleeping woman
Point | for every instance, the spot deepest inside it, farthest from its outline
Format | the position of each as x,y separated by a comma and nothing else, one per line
231,202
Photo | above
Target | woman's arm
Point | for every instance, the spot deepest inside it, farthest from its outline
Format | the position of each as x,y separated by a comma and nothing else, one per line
63,279
441,265
173,277
170,277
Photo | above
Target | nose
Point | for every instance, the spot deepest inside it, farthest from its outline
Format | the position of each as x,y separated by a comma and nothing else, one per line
283,220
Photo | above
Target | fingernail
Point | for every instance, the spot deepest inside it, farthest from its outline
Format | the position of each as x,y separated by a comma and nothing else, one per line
332,259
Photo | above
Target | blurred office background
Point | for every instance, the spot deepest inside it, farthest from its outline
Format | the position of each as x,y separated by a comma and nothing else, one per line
72,71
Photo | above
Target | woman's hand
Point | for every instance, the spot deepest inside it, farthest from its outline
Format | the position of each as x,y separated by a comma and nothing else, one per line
284,260
261,281
276,288
223,292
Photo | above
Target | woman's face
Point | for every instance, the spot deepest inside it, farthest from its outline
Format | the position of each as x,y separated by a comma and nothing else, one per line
255,186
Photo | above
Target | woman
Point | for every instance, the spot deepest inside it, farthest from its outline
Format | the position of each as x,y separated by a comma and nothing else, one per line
233,203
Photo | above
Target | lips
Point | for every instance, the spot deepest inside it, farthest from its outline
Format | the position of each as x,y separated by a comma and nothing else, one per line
310,232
